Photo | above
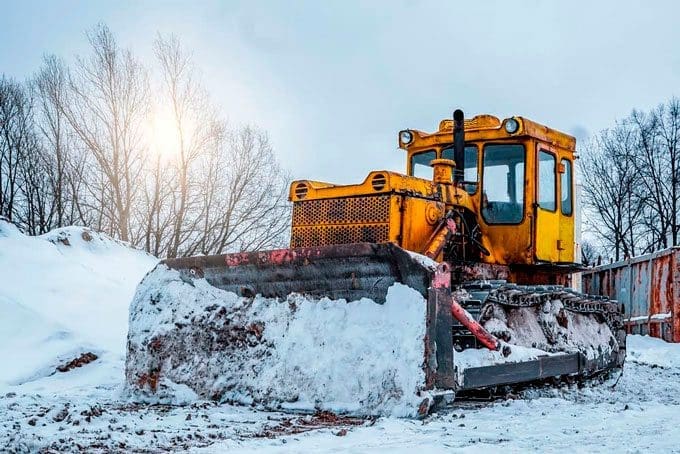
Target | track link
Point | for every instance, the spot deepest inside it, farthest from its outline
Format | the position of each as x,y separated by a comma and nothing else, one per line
513,295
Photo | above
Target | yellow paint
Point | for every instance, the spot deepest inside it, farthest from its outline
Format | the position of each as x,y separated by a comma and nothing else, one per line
329,214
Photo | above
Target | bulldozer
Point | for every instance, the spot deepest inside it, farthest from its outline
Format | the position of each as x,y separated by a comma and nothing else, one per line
482,224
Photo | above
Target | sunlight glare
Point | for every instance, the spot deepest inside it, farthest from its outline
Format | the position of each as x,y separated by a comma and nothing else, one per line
164,138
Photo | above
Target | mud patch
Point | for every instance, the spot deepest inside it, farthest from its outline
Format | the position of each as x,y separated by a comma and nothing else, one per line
317,421
80,361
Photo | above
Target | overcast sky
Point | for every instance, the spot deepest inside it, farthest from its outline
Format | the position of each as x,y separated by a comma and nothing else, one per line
333,81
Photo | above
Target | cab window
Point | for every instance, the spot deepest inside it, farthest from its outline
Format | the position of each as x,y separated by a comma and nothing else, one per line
567,204
546,181
420,164
503,184
470,170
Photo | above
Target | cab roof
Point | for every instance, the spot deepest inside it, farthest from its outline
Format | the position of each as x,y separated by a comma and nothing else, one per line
488,127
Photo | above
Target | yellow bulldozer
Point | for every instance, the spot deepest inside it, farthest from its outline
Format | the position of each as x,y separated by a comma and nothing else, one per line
481,225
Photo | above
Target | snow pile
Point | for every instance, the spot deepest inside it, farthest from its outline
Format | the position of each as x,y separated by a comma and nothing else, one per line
61,295
653,351
347,357
32,346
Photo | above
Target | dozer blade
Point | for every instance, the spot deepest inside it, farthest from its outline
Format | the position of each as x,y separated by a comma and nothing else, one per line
347,328
346,271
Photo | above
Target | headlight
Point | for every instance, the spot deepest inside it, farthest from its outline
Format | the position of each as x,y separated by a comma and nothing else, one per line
511,125
405,137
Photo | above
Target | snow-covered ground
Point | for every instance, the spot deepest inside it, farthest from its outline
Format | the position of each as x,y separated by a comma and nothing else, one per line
67,293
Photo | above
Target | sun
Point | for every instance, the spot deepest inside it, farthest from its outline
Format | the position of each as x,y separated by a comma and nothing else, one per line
163,134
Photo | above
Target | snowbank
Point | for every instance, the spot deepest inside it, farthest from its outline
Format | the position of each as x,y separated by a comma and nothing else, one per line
347,357
32,346
652,351
63,294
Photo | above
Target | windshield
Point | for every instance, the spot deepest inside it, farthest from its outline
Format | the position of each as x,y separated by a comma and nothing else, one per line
420,165
470,171
503,180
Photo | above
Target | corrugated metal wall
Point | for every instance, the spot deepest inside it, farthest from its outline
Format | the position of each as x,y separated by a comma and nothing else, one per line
649,288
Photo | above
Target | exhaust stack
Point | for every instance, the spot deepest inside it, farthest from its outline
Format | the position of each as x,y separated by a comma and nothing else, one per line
458,145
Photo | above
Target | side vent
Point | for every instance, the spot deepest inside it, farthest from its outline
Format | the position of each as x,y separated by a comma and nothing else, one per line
301,190
378,182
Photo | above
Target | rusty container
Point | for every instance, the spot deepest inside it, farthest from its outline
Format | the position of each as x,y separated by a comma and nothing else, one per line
648,286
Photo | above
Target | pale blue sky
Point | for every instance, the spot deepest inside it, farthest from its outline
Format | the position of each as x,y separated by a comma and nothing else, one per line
333,81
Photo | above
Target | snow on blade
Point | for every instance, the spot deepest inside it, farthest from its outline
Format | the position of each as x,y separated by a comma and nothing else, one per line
473,357
425,261
348,357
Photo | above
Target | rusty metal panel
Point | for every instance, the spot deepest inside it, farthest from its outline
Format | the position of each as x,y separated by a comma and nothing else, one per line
675,296
639,296
349,271
649,289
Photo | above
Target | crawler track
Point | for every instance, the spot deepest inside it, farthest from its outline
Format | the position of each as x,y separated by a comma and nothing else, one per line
550,318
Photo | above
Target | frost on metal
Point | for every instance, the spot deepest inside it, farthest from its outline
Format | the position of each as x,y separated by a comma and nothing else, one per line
351,357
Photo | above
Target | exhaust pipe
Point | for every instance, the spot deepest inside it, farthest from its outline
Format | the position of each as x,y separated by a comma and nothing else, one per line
458,145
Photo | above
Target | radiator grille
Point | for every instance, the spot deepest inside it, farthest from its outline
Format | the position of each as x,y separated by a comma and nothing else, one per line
341,221
354,210
339,234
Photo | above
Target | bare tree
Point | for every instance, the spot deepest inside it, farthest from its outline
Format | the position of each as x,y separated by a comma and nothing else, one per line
76,147
154,214
248,208
609,182
666,119
15,135
106,106
231,193
590,254
26,195
66,164
651,168
195,128
34,212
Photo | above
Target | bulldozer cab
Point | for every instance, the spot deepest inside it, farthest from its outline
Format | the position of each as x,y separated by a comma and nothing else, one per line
518,179
515,184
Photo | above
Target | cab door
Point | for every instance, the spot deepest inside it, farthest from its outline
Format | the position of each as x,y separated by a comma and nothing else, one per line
566,247
547,231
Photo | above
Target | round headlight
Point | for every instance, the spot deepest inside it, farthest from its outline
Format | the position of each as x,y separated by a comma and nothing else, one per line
405,137
511,125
